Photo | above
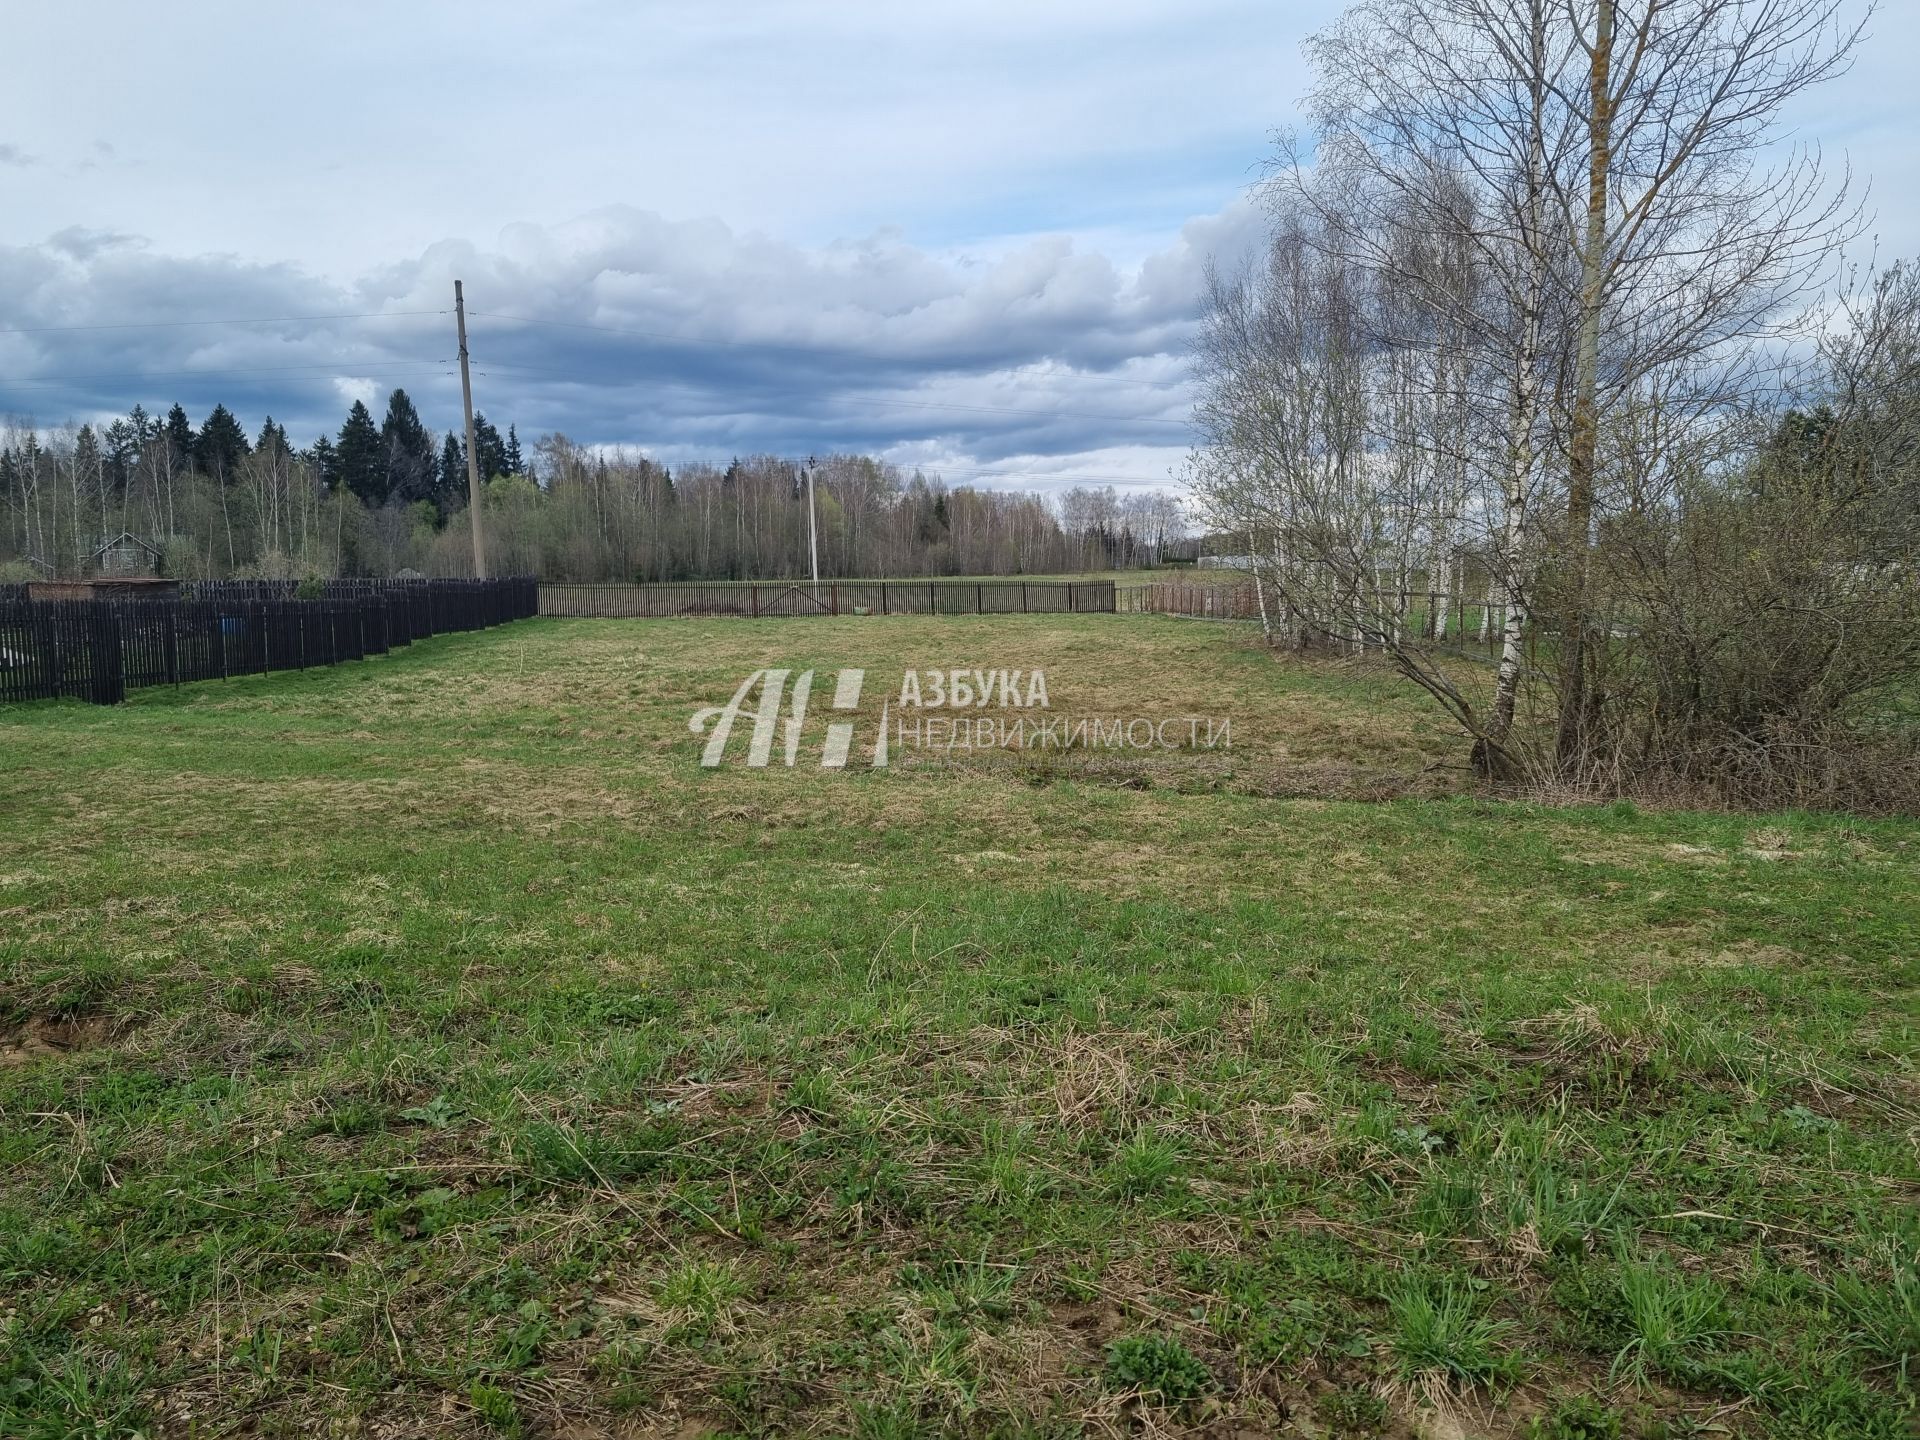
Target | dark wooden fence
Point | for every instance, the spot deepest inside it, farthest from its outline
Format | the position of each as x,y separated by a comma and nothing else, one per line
99,649
1231,601
838,597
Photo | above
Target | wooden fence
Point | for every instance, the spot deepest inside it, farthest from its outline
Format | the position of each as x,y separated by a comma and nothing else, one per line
97,650
840,597
1232,601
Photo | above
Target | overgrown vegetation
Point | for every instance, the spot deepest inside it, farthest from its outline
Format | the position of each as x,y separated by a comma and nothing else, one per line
432,1047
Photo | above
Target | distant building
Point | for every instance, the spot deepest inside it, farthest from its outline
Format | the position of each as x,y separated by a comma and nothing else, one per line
124,556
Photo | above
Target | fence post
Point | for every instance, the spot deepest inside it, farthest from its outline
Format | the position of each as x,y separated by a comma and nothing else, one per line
753,597
1023,597
173,648
883,597
56,652
1070,604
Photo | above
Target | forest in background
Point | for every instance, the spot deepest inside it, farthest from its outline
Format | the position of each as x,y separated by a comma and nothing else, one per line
388,496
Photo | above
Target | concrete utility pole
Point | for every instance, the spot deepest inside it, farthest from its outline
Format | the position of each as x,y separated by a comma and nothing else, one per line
473,458
813,532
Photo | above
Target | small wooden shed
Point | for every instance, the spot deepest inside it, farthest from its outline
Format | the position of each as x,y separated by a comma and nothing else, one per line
125,554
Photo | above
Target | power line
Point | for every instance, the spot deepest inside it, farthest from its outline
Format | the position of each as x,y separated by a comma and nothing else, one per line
180,324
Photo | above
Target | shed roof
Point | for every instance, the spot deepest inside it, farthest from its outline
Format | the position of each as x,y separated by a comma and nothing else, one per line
125,537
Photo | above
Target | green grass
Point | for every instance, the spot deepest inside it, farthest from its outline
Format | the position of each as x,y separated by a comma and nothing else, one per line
431,1046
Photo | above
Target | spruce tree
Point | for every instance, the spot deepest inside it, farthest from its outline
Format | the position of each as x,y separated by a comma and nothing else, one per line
325,461
513,453
179,432
407,447
489,448
358,459
450,493
221,443
122,439
273,439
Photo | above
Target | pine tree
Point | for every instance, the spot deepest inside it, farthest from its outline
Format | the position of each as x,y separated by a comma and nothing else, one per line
407,448
218,449
359,462
513,453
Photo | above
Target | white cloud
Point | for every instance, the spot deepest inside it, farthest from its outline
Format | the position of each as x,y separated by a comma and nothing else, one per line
358,387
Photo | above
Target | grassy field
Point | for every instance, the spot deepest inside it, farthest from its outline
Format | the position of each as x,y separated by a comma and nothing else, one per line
432,1046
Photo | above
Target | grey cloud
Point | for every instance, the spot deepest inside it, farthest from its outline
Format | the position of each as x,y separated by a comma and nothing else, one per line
686,337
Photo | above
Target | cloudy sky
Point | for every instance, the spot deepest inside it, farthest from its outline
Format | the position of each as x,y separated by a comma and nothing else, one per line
967,235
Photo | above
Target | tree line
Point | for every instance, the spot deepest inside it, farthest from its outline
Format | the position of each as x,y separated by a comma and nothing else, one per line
381,497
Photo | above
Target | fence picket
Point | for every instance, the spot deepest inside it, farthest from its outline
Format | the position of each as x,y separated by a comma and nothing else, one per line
99,649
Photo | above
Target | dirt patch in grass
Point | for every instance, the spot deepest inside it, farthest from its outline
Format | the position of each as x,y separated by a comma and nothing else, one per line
40,1038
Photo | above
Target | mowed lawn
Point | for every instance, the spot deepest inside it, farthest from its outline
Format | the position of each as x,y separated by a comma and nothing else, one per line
431,1046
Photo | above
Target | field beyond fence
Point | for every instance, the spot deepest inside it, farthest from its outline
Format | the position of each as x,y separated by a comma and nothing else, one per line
97,650
838,597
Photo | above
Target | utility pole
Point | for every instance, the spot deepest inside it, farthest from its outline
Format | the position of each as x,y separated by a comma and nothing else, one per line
813,533
473,458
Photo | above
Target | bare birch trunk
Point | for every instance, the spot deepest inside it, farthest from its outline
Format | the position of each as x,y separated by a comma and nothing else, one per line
1584,439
